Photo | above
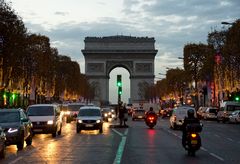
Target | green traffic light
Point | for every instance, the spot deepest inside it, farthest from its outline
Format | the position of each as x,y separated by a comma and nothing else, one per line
237,98
119,84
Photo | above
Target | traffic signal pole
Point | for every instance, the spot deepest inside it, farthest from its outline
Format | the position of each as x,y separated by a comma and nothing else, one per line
119,85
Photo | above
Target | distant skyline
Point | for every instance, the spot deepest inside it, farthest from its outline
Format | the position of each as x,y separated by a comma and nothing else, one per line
172,23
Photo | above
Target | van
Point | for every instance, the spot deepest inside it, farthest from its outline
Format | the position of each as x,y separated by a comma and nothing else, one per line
178,115
226,108
45,118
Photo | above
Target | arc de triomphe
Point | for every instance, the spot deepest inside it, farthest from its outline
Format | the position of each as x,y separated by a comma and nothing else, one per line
103,54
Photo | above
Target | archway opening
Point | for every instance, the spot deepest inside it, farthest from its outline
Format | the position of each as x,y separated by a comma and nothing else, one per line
113,89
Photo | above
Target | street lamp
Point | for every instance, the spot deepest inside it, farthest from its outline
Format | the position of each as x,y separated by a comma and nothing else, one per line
227,23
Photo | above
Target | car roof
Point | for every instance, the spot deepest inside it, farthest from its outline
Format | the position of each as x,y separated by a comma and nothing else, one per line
89,107
42,105
11,110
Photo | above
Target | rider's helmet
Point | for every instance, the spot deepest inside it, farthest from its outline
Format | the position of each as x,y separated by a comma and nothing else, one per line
190,113
151,109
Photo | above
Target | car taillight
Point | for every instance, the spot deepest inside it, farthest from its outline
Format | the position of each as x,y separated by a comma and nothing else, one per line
193,135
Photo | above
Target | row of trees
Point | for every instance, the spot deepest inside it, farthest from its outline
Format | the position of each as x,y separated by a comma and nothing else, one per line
217,62
28,59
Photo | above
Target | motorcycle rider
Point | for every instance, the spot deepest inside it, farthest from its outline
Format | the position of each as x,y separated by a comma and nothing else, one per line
151,112
190,119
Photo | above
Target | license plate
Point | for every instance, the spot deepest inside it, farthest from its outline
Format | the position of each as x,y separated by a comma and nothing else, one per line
194,142
89,125
140,117
37,130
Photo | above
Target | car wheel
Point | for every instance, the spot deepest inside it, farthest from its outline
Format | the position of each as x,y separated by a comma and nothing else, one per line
60,131
100,130
54,133
29,139
174,126
78,130
20,144
3,152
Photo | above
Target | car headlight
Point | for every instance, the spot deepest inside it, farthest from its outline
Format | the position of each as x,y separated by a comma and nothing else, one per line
80,121
105,114
50,122
12,130
98,121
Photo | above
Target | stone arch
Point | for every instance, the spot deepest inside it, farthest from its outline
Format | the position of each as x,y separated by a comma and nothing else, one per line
135,54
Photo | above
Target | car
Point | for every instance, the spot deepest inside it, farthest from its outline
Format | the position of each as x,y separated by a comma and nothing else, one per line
234,117
16,126
72,111
89,118
178,115
226,108
210,113
165,112
2,143
200,112
138,113
46,119
108,113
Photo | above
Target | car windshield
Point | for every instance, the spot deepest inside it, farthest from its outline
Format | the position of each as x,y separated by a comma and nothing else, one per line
233,107
212,110
106,110
89,112
74,107
140,111
7,117
40,111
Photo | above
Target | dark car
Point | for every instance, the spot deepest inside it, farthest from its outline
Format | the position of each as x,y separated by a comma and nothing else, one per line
2,143
89,118
108,113
16,126
72,111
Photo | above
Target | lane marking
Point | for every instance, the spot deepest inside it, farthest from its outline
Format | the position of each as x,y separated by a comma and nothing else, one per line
230,139
117,132
216,156
121,146
202,148
16,160
216,135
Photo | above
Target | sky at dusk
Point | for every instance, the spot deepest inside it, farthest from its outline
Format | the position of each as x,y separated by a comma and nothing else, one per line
172,23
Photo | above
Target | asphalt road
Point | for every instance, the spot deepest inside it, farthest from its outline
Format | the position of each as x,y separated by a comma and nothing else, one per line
136,144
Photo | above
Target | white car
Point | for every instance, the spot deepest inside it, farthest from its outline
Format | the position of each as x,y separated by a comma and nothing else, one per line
210,113
45,118
89,118
234,117
178,115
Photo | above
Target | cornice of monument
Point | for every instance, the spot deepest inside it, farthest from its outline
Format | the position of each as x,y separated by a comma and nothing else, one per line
119,38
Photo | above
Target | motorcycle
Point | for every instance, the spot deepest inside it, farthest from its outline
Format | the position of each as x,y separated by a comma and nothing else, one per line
193,139
151,120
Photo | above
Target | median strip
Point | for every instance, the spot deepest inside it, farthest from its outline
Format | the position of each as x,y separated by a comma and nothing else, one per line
121,146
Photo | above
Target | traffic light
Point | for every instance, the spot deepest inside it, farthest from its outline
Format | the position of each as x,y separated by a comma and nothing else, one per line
119,80
237,98
119,90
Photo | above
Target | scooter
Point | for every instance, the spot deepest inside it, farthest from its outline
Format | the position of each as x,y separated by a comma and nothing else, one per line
151,120
193,139
193,143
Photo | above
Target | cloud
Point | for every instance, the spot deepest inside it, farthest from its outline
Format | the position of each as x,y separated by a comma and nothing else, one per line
61,13
172,23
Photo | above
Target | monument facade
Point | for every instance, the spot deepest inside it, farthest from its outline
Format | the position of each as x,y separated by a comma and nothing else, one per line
135,54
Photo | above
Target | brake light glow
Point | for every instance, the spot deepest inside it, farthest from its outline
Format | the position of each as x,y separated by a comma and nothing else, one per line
193,135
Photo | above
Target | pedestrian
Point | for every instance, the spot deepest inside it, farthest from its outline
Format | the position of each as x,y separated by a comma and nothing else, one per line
125,114
120,113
